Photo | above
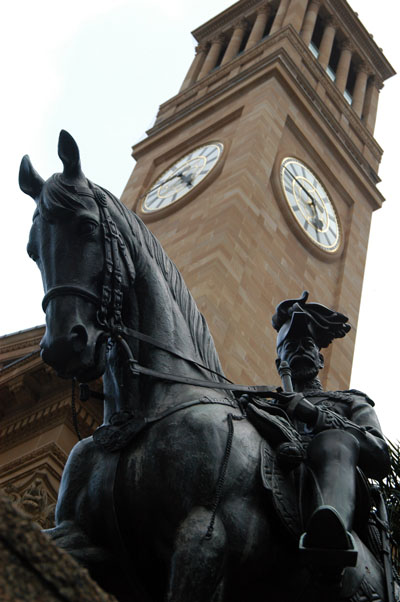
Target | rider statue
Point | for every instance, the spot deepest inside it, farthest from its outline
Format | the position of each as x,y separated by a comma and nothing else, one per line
339,431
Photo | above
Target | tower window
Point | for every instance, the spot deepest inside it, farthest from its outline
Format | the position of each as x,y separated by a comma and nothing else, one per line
268,25
220,56
333,60
244,41
317,37
351,81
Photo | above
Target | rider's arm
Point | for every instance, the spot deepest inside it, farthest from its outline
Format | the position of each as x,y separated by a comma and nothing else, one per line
364,425
374,454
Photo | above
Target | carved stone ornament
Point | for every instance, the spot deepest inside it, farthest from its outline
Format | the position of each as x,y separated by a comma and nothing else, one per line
332,22
35,501
347,45
241,24
202,47
264,8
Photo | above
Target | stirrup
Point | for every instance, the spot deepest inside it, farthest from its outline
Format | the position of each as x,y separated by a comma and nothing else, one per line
315,544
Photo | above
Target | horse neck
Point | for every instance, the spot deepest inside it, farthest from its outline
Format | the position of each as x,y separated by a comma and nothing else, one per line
160,314
162,317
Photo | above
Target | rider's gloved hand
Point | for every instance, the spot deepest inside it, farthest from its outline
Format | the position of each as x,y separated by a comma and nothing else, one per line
296,405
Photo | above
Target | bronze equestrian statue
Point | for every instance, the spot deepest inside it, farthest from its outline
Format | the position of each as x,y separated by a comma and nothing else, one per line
194,489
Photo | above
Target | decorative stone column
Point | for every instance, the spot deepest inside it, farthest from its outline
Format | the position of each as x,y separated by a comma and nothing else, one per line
195,67
342,71
371,102
310,20
212,56
295,14
259,26
328,36
360,88
239,30
280,15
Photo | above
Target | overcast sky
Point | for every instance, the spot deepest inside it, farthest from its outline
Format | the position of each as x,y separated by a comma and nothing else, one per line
100,69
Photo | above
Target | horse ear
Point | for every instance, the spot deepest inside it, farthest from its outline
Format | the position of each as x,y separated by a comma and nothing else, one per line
68,152
29,180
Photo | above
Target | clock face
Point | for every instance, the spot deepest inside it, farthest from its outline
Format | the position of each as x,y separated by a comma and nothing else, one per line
182,177
310,204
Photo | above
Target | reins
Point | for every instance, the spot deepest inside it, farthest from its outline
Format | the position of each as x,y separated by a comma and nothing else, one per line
136,368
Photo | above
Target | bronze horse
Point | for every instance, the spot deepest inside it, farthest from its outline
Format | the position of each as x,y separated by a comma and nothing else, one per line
165,501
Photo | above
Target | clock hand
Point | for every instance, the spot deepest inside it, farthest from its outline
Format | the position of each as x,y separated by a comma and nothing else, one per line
305,189
317,223
187,179
160,185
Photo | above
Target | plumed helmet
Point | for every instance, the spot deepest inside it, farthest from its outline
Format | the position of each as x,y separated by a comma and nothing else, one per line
295,318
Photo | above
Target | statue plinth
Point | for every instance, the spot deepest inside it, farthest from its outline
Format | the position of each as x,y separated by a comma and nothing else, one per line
34,568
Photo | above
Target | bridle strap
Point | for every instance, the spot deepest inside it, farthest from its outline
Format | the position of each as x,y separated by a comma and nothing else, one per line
69,289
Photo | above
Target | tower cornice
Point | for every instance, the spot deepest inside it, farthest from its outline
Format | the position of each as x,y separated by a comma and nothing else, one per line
227,17
359,34
346,20
207,92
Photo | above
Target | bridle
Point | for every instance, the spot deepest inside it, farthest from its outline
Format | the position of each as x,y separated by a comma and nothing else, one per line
109,309
109,303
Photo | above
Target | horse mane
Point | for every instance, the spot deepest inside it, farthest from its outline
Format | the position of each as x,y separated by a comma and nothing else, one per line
198,327
61,199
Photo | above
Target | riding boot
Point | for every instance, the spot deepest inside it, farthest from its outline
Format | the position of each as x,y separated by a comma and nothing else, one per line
332,458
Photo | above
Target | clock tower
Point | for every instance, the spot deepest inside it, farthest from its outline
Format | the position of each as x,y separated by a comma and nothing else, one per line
259,177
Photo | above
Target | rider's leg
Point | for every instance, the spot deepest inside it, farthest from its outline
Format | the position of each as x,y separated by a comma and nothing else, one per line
333,456
196,569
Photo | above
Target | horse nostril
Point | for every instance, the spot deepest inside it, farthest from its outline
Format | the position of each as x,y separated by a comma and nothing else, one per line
79,338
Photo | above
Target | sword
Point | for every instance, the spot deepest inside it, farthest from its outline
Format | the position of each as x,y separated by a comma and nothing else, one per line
286,376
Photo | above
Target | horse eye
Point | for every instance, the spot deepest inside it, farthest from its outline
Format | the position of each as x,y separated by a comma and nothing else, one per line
87,227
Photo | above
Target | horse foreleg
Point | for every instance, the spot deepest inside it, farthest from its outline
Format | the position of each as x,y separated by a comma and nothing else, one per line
197,563
72,539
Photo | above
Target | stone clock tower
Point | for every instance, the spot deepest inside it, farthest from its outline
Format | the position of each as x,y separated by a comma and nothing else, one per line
259,177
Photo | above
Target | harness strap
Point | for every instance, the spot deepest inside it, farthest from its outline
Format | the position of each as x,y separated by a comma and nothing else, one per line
145,338
124,426
261,390
136,368
222,474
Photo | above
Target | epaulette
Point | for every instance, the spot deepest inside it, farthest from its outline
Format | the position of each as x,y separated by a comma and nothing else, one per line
361,394
347,395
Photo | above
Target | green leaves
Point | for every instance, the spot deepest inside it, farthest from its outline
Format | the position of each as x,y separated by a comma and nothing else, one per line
391,492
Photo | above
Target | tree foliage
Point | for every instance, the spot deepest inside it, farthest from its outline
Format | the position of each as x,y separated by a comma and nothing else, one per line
391,491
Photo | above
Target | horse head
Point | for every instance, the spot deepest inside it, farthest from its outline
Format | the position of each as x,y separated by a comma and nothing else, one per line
67,242
111,292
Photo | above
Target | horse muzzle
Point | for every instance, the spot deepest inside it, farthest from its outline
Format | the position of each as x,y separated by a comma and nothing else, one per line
79,354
